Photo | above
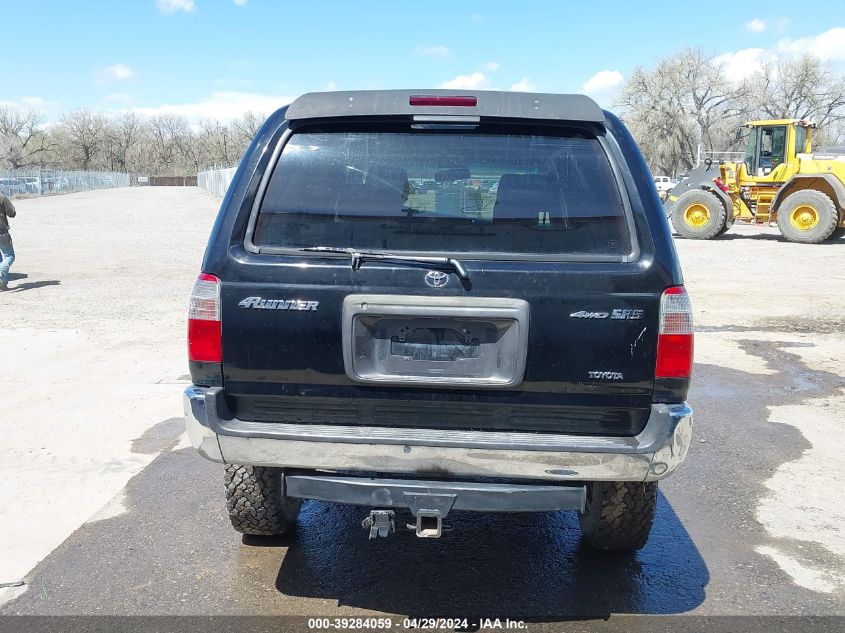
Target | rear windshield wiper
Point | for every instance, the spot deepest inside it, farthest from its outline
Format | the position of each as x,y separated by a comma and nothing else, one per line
359,257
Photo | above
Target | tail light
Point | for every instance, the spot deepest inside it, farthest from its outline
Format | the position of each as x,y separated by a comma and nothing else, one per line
674,338
204,320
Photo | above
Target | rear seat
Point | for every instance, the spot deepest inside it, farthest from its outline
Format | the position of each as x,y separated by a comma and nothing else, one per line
534,197
383,192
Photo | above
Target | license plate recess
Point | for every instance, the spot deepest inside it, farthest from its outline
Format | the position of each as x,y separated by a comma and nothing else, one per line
436,341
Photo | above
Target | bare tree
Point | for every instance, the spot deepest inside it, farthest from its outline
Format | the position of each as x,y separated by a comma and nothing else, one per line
167,137
686,102
802,88
85,132
684,106
125,137
681,107
218,143
247,127
190,151
22,138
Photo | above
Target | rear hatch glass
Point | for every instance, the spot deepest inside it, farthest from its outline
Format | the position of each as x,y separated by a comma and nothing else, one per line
486,191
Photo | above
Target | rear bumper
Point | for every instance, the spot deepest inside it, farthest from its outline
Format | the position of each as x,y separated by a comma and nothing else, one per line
652,455
439,496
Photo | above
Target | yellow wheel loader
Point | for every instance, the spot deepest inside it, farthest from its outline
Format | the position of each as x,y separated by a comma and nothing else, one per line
781,179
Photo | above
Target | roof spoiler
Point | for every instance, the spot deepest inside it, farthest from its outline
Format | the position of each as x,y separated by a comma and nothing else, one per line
480,103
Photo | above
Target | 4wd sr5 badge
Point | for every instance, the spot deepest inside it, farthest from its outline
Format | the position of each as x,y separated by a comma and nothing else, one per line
618,314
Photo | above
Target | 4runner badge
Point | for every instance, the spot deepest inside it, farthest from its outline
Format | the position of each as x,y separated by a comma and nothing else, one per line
257,303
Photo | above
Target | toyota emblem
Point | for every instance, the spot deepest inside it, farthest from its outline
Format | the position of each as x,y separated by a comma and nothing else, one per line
436,278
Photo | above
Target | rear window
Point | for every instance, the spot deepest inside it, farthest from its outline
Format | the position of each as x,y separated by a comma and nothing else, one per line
434,191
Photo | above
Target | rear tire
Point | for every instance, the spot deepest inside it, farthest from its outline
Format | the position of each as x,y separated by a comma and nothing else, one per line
618,514
256,500
807,217
699,215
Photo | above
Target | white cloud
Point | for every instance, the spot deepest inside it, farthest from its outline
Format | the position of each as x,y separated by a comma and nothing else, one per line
222,106
331,86
491,66
602,82
117,72
118,97
473,81
168,7
31,103
241,3
741,64
37,103
603,86
827,46
433,51
756,25
524,85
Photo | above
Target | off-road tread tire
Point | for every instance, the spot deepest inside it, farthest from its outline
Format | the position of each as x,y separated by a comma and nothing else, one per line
718,215
256,501
821,202
619,514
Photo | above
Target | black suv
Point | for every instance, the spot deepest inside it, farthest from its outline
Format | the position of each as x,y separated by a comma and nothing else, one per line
430,301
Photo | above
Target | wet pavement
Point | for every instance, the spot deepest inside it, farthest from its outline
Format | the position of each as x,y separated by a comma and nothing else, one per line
173,552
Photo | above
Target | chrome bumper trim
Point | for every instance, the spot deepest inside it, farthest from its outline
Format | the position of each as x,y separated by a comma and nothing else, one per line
423,437
651,455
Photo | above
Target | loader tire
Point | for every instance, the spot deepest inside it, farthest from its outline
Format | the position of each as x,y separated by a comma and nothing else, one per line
618,514
807,216
256,500
839,231
699,215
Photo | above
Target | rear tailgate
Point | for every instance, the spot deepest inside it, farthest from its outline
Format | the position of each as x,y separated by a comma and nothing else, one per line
584,372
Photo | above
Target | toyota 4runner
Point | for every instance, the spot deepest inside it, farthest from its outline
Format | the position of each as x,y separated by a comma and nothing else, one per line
429,301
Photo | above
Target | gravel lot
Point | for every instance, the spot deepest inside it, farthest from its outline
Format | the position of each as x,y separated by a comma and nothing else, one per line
93,352
93,364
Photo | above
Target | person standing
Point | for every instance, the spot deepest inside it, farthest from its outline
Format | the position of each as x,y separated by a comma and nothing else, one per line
7,250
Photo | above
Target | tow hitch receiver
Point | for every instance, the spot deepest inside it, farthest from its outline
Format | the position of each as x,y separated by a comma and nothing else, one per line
380,523
430,509
429,524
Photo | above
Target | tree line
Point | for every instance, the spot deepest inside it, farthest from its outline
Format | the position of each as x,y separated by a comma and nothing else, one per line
687,106
166,145
682,108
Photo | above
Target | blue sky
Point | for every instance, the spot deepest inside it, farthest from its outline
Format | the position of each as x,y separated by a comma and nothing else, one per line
217,58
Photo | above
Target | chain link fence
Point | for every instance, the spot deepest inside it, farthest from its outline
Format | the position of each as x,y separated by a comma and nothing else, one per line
216,181
42,182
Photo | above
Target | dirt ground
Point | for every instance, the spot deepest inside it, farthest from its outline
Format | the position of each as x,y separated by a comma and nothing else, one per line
93,365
